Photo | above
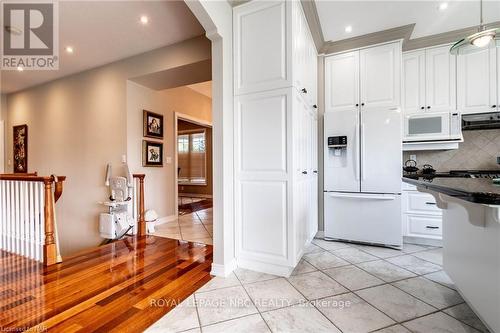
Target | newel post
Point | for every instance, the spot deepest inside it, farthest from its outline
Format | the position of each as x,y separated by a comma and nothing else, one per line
142,222
49,247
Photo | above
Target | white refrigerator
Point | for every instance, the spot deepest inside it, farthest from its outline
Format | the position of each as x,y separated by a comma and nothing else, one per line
362,186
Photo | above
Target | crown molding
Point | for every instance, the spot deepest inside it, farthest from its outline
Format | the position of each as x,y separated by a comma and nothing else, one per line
312,18
444,38
403,32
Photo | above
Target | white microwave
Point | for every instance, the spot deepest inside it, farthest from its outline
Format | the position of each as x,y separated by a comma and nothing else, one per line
435,126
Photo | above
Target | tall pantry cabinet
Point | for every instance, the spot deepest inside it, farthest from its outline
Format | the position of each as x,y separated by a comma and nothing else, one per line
276,171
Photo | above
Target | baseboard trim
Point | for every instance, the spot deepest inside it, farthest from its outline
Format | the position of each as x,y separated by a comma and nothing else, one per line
262,267
320,234
223,270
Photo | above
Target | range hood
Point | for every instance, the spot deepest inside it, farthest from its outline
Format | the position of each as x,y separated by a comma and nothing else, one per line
480,121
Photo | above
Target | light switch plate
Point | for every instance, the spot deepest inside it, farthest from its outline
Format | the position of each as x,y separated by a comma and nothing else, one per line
169,159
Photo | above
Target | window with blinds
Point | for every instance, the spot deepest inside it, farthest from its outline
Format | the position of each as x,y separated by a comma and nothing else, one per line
192,164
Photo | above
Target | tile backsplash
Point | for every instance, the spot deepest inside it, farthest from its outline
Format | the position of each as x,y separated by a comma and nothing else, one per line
478,151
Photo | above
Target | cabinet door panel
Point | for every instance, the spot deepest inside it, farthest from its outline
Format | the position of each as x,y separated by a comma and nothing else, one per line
380,75
262,45
476,82
414,82
342,82
440,79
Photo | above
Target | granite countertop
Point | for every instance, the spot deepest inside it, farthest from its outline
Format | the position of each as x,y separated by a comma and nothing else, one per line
475,190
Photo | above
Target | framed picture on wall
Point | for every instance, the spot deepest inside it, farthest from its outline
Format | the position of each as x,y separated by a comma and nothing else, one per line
153,124
152,153
20,149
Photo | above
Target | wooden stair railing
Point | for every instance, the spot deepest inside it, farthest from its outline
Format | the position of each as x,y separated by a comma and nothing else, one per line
140,203
20,187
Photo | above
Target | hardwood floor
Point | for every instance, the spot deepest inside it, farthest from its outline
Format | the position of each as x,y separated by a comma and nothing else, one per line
119,287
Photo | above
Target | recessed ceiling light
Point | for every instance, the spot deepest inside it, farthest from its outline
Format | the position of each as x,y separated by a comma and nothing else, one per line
443,6
20,69
69,49
348,29
144,19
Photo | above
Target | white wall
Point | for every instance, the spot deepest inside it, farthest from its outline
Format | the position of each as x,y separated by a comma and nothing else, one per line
78,124
216,17
160,191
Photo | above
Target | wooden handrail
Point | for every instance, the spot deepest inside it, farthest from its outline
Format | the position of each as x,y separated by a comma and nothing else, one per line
51,195
142,221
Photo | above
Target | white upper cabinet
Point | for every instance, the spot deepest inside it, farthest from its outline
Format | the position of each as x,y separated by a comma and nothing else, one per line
414,81
262,45
477,82
429,80
380,70
366,78
273,48
342,82
440,79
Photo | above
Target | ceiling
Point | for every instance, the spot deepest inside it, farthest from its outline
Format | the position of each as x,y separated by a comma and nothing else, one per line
204,88
102,32
372,16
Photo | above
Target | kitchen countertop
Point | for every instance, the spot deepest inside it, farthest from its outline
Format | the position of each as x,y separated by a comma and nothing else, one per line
476,190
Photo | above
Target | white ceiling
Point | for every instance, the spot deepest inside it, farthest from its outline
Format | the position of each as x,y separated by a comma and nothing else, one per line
102,32
372,16
204,88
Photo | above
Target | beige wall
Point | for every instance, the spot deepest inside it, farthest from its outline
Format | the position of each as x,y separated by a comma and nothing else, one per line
478,151
160,189
3,117
78,124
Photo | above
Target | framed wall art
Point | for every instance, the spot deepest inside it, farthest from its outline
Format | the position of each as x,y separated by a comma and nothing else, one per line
20,149
152,153
153,124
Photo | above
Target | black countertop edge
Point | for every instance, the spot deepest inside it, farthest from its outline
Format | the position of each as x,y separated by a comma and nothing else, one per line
487,198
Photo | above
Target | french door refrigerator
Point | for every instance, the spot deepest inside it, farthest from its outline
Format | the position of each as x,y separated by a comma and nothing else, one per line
363,159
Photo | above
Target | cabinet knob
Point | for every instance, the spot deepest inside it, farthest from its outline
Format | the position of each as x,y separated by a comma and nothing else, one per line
315,171
304,172
493,106
315,106
431,227
362,104
357,104
421,108
304,90
428,107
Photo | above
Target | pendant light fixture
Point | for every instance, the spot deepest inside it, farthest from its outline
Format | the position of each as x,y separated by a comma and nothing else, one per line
477,41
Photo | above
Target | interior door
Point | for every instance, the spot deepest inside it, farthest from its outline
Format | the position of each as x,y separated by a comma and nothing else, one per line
342,82
414,82
380,75
342,167
476,78
440,79
381,147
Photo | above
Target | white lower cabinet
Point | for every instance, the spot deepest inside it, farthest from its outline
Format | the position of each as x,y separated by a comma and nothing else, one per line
276,179
422,219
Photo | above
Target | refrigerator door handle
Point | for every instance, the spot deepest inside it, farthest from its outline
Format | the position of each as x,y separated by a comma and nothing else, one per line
356,152
361,196
363,151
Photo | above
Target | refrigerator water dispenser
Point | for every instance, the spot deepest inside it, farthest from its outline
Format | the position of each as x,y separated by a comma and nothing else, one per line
338,144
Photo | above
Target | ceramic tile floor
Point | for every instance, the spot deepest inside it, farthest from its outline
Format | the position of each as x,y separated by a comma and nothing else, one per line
337,287
194,227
